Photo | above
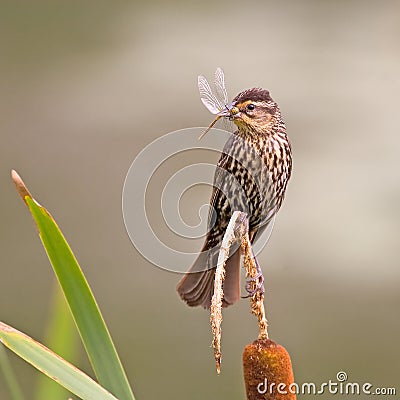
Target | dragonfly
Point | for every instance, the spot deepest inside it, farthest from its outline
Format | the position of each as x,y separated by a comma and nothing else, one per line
216,102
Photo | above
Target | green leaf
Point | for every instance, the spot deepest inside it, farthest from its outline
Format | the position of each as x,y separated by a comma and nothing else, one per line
9,376
52,365
62,338
89,321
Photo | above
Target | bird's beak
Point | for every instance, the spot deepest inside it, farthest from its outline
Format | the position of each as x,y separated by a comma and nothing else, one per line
229,111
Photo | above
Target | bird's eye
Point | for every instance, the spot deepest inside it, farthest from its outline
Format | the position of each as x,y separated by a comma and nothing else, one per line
251,106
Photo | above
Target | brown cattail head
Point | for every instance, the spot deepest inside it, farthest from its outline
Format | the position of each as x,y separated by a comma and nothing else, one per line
268,373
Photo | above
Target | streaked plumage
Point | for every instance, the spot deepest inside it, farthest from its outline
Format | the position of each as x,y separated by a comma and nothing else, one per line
251,176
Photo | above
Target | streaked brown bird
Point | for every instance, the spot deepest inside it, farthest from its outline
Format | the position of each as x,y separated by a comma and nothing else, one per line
251,176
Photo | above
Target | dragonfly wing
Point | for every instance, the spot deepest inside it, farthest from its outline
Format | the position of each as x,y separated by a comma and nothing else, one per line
220,90
207,97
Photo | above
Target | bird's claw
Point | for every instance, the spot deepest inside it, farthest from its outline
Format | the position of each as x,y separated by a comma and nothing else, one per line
256,283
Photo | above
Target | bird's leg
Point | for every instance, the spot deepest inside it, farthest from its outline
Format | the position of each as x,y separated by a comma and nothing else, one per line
256,283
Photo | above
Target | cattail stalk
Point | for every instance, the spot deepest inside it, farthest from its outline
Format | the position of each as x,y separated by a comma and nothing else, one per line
267,367
216,301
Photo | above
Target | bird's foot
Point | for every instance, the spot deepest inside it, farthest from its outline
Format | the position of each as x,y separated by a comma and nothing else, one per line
256,283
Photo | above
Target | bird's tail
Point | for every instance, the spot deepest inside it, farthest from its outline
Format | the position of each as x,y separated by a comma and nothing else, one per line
197,286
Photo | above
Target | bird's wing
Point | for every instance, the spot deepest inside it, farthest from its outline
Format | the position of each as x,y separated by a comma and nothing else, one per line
219,203
197,286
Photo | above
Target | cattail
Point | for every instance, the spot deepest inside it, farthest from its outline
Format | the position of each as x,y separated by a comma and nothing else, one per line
268,373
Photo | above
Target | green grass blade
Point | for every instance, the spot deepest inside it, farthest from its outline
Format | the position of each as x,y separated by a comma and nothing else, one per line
89,321
9,376
52,365
62,338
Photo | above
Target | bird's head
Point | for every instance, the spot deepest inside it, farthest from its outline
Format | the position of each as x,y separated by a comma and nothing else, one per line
252,110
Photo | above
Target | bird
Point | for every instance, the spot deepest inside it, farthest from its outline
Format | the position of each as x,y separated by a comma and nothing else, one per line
251,176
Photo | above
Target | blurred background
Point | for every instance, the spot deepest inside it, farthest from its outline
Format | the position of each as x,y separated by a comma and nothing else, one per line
85,86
